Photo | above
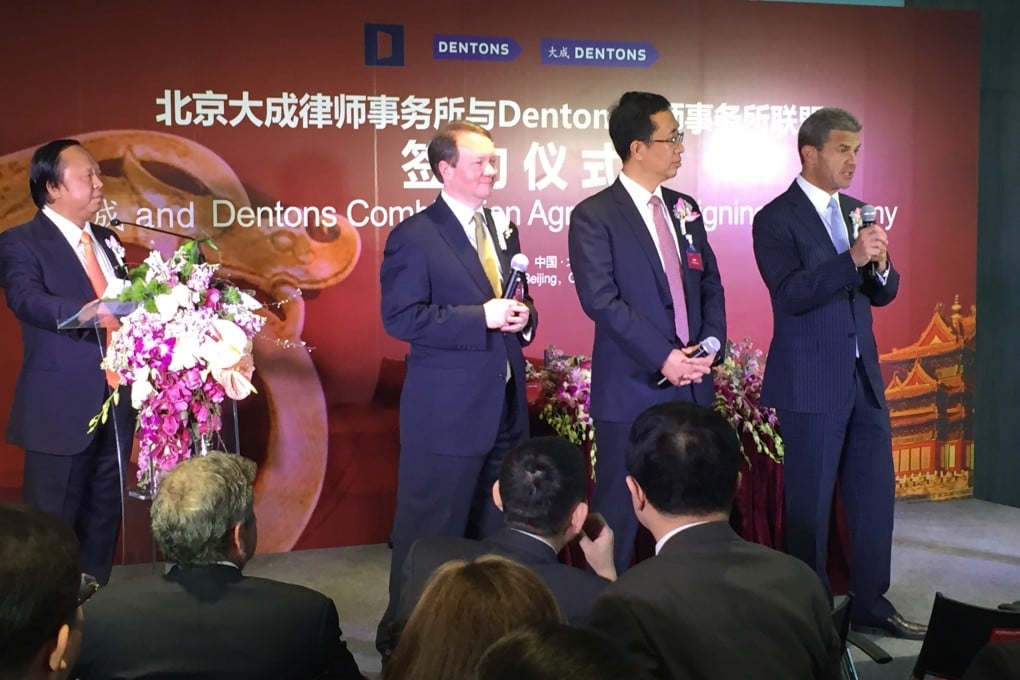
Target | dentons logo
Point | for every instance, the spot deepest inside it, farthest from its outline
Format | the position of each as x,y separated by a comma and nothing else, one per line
474,48
384,45
598,53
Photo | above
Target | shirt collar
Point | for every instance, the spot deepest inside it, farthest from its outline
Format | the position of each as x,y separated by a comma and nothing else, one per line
638,193
536,537
819,197
71,231
463,212
662,541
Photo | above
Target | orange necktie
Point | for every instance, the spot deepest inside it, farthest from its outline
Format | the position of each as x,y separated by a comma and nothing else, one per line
98,280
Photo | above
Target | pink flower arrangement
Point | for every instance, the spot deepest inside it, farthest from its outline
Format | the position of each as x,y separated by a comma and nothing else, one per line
738,398
566,392
565,399
183,350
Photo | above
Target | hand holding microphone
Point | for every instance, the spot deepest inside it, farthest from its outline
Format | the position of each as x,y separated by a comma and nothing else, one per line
871,242
680,370
506,313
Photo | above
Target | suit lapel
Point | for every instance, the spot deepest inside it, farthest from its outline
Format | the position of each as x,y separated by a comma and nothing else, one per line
453,233
64,260
631,218
501,254
804,213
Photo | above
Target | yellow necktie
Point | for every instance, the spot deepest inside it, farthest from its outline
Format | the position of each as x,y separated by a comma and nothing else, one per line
485,254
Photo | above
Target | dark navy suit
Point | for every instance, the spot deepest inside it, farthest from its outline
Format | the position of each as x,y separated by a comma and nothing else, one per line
622,287
575,589
210,622
68,471
459,413
831,404
712,605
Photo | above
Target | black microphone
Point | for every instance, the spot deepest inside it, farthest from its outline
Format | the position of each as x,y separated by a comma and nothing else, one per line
709,345
518,267
868,215
116,222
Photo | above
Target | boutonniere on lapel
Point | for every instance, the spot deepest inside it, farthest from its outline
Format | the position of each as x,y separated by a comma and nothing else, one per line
504,229
118,253
684,211
856,220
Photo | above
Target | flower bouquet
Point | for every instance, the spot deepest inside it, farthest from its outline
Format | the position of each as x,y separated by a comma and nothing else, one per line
185,347
738,398
564,402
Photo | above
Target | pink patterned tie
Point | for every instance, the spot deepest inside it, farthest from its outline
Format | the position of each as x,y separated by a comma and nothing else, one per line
671,263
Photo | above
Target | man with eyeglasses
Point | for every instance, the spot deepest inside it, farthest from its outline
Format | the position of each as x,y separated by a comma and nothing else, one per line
41,591
825,269
646,275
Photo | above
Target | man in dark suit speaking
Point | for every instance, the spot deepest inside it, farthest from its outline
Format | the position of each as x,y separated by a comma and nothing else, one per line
825,270
204,619
646,275
49,268
462,406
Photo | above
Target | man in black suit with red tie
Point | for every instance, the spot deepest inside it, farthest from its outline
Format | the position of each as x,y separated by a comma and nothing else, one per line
646,275
825,270
49,268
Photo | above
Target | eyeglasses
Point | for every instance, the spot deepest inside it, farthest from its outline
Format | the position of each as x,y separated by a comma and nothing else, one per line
675,140
89,586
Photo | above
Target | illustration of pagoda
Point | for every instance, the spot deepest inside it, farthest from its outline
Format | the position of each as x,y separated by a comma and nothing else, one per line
931,408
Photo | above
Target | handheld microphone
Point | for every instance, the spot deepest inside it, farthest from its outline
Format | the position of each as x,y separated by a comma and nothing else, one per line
518,268
709,345
868,216
868,213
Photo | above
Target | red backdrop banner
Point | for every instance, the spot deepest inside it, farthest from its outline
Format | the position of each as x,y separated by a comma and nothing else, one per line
295,136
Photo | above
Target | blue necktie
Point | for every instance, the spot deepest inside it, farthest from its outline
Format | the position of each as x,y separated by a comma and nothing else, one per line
837,227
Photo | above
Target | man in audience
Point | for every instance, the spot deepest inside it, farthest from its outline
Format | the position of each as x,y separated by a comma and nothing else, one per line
709,604
204,618
40,616
541,490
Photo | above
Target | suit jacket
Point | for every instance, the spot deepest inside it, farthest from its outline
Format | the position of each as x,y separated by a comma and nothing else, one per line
821,306
711,605
45,283
211,622
622,288
433,289
575,589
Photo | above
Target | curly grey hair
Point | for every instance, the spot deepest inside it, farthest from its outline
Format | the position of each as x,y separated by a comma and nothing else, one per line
198,504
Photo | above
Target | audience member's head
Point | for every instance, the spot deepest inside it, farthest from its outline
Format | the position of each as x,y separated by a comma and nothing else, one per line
465,607
204,511
555,651
542,488
683,460
40,576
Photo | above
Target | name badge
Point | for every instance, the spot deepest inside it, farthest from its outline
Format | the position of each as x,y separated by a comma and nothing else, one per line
694,260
